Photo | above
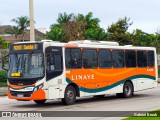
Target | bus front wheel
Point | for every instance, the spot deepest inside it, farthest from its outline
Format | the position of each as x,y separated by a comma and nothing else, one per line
69,96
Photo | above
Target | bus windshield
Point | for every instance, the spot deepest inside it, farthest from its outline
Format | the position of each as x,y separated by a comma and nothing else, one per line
28,65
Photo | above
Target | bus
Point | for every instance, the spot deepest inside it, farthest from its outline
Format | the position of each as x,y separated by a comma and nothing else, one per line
48,70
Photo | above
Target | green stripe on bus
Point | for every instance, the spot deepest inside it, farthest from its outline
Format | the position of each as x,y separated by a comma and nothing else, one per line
113,85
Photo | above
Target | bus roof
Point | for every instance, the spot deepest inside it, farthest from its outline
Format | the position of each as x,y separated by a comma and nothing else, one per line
88,44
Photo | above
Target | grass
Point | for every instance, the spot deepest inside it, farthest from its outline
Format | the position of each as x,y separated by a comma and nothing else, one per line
3,84
3,76
145,117
3,79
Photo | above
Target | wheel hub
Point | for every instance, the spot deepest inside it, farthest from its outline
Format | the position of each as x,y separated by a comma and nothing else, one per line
70,94
127,89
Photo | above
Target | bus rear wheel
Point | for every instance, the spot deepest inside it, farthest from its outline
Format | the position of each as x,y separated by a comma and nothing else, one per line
69,96
40,102
127,89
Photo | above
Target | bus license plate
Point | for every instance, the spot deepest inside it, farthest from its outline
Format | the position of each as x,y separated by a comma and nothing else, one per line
20,95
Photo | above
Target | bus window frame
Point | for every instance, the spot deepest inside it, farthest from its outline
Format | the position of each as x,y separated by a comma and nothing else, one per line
124,65
96,59
67,68
153,57
146,59
135,58
99,59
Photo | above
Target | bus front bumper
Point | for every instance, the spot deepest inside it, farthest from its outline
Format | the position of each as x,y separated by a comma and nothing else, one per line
25,96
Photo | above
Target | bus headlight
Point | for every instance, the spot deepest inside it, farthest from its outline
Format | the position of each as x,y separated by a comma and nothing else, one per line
38,87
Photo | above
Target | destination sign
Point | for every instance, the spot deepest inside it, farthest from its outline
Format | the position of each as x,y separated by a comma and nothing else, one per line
25,47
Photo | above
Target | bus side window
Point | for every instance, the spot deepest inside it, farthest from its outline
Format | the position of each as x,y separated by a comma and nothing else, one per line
54,62
118,58
130,58
105,60
90,58
73,58
142,58
151,58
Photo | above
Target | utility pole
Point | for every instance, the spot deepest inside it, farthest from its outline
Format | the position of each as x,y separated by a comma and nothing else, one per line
31,14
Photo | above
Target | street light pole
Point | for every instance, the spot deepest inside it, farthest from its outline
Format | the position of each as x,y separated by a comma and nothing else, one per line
31,11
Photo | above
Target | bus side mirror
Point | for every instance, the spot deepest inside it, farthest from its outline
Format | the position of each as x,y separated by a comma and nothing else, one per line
5,63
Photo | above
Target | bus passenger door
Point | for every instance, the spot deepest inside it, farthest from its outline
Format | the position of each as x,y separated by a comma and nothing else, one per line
54,70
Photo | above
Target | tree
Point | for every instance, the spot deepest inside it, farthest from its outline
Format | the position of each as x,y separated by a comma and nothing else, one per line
156,42
3,48
77,27
91,22
64,18
143,39
3,44
56,33
69,27
13,31
95,34
72,25
22,23
118,32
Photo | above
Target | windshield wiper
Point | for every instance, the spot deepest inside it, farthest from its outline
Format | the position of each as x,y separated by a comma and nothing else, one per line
30,56
24,65
17,61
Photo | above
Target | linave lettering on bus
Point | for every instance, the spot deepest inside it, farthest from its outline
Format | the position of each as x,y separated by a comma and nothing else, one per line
83,77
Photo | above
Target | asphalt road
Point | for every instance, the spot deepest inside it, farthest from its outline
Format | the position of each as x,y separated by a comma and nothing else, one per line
147,100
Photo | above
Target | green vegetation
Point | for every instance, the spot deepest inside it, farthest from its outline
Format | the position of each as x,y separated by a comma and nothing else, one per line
3,50
22,23
3,79
3,76
3,44
76,27
118,32
79,27
3,84
146,117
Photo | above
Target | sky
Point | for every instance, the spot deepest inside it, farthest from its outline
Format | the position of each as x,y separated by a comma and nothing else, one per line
145,14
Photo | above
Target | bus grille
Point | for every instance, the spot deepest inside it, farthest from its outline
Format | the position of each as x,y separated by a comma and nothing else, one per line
24,94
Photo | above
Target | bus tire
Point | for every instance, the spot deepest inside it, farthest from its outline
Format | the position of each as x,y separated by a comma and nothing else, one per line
99,96
120,95
40,102
127,90
69,95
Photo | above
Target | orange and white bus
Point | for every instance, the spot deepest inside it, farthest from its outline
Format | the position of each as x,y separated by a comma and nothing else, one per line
47,70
